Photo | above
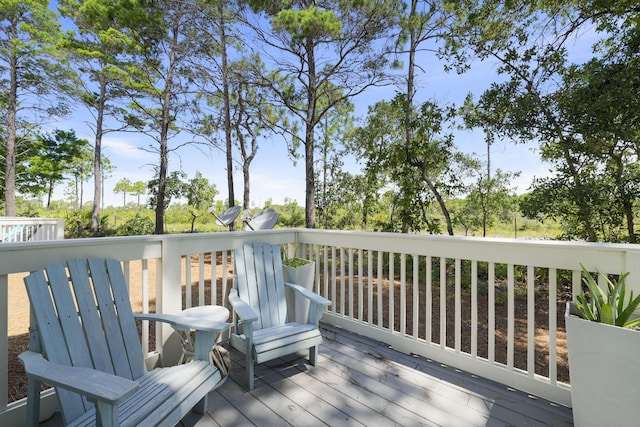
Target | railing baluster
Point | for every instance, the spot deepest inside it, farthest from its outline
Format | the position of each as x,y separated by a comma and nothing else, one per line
474,309
429,303
351,295
553,325
416,295
510,315
403,294
392,286
370,287
491,351
343,296
201,300
334,307
360,287
187,286
380,281
316,281
145,305
458,305
443,302
531,322
325,271
576,284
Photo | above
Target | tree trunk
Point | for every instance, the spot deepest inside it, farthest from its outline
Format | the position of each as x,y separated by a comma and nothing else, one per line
164,133
441,203
97,163
10,152
227,106
247,185
309,142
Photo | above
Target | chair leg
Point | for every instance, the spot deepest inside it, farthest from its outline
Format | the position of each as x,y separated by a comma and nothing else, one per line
313,355
248,360
33,402
201,406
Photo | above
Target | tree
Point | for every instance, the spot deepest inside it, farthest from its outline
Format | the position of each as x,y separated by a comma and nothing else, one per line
107,170
123,186
252,118
174,189
98,47
426,21
200,195
488,200
137,189
80,169
30,71
211,72
160,91
571,110
334,126
52,159
333,52
430,169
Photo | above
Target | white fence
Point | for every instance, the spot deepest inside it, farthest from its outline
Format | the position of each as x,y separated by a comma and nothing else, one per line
18,229
491,307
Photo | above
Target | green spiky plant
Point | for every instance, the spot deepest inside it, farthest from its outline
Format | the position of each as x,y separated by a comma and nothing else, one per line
608,306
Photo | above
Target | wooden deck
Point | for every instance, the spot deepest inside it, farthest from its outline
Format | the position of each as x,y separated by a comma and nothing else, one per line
362,382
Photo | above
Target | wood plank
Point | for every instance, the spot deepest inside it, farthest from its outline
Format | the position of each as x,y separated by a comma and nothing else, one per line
476,387
247,404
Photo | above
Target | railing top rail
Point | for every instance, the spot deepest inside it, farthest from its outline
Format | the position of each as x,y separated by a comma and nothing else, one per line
606,257
27,220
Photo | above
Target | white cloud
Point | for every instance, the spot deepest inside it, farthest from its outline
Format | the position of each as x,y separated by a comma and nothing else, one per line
114,146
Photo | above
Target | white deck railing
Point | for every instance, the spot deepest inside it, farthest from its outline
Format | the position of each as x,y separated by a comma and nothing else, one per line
19,229
499,314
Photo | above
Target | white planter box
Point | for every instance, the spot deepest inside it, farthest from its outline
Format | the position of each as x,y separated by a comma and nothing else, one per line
303,276
604,365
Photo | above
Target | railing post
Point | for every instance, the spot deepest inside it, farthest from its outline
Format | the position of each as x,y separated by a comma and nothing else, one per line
4,327
632,265
168,287
59,229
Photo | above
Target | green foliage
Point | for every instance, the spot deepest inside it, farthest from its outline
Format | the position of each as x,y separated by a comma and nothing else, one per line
138,225
291,215
607,306
51,158
426,171
295,262
584,116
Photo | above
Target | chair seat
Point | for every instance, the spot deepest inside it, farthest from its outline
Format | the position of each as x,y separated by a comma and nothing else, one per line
278,341
162,394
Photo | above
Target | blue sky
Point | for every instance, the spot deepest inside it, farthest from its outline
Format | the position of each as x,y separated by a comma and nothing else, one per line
274,175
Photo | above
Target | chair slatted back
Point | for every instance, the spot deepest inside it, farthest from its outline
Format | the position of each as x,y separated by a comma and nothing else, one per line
259,281
84,318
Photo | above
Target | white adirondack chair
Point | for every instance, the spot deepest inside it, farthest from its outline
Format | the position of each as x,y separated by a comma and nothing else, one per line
91,353
258,299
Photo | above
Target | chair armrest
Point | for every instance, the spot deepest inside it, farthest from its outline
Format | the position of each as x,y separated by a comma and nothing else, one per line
94,384
312,296
242,309
179,322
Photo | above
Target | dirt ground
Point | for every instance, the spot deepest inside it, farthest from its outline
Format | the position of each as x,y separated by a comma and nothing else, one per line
19,320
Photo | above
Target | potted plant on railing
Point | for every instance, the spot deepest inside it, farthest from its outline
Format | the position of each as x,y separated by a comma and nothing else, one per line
300,272
604,353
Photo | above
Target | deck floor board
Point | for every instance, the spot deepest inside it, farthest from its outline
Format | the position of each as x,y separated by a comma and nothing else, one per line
361,382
